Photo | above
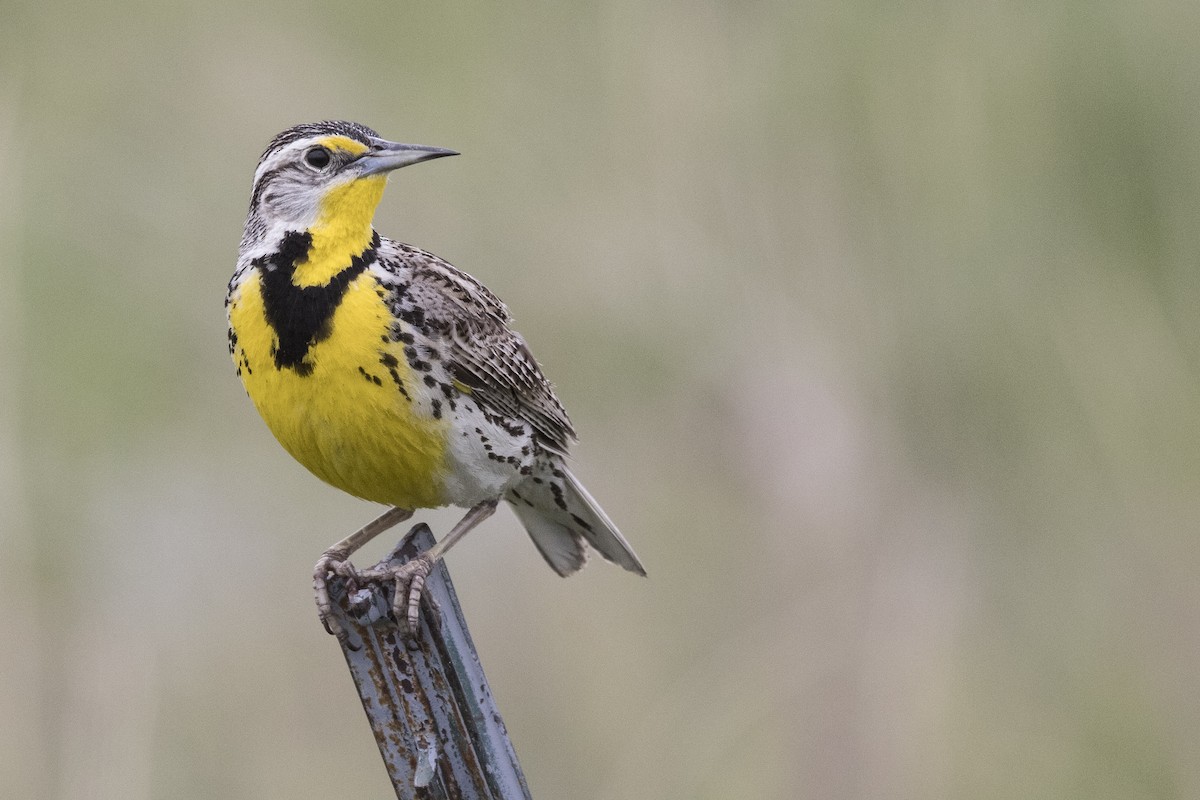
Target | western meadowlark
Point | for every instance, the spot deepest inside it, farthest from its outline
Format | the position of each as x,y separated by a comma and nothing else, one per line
389,373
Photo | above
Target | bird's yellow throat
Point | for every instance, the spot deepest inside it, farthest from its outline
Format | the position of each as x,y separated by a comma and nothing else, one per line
342,231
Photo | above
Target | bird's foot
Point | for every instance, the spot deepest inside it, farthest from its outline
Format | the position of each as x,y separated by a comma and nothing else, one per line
409,582
408,579
332,563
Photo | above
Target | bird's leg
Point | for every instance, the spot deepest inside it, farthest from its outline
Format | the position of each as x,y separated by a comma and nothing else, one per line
334,562
410,577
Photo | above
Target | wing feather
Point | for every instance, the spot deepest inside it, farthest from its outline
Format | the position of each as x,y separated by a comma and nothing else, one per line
483,353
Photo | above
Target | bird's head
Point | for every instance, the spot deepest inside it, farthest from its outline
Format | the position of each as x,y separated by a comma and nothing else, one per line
325,176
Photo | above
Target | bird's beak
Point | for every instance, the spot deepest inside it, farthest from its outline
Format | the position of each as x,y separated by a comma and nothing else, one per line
385,156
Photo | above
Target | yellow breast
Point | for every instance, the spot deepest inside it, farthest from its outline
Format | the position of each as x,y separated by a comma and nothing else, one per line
343,414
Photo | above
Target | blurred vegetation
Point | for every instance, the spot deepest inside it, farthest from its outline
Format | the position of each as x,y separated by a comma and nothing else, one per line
878,323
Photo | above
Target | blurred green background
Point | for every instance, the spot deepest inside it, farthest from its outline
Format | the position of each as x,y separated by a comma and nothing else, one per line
878,324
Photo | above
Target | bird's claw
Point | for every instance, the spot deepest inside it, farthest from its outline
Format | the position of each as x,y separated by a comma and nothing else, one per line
332,564
408,580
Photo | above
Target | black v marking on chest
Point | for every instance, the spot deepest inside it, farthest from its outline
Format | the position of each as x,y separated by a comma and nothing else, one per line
301,316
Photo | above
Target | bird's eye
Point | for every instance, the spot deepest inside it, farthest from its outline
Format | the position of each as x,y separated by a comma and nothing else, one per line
317,158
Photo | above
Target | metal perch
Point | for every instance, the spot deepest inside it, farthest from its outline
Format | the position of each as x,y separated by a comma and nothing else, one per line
427,699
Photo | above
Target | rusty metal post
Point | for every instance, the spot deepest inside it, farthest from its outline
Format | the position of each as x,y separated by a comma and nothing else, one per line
428,701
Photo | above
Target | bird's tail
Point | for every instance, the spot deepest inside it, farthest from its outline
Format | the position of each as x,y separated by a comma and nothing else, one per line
562,519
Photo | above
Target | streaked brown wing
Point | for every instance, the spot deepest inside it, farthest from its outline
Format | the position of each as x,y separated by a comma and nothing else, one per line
495,363
483,353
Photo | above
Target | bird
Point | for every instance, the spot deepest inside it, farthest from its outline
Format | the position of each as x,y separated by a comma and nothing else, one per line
392,375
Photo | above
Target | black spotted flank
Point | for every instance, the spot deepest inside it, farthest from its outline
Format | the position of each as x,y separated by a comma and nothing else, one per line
301,315
390,362
413,316
414,361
